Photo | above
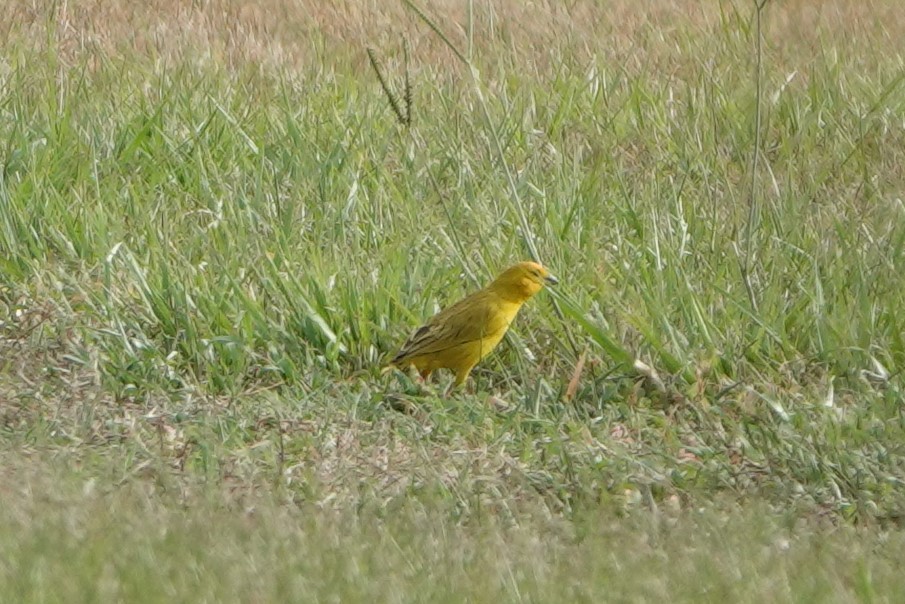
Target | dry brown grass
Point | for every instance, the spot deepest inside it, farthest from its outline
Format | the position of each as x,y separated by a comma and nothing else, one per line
292,34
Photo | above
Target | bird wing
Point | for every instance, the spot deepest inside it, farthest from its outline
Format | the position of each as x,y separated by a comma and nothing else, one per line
470,319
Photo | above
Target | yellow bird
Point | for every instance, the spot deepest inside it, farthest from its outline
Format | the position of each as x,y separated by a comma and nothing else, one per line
458,337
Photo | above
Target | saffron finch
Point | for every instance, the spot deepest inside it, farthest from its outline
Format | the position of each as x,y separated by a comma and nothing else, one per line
458,337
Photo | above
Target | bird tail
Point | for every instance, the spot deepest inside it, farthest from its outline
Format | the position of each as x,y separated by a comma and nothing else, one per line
397,359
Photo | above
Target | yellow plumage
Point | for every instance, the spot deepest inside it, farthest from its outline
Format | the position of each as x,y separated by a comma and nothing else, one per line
458,337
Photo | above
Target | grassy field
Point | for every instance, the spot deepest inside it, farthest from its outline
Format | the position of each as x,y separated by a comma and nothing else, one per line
214,231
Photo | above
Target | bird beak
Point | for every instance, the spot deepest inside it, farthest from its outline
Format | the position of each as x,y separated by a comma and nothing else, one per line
551,279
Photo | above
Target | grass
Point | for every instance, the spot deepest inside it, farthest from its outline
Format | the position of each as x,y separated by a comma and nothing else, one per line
244,547
214,231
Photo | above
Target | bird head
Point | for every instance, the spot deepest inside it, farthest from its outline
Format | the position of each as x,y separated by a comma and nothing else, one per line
523,280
